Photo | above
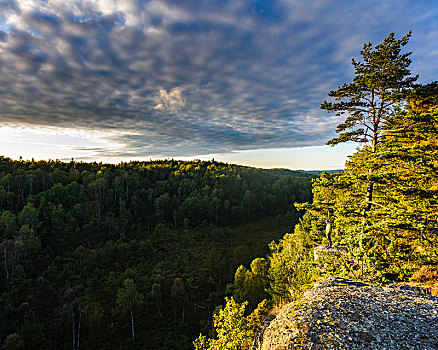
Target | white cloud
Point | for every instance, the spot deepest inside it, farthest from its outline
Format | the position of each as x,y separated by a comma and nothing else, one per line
171,101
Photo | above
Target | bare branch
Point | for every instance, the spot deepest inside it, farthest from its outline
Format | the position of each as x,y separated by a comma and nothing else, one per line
380,205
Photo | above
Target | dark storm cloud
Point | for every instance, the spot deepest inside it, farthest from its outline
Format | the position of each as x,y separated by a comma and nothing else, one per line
192,77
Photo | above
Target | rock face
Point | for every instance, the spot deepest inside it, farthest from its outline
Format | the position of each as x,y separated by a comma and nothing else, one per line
324,249
341,314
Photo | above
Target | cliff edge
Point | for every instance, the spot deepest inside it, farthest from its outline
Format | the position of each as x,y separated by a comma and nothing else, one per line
342,314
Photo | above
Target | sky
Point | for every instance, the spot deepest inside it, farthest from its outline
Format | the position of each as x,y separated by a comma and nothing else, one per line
239,81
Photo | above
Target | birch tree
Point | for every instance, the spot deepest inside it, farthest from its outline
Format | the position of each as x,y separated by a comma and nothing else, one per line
128,298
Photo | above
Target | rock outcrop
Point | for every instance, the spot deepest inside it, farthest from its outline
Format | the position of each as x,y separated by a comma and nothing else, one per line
322,249
342,314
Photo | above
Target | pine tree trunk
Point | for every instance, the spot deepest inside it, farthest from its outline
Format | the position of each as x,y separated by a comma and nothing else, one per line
369,194
369,197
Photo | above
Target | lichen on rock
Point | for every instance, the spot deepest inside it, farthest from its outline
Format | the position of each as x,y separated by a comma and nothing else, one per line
342,314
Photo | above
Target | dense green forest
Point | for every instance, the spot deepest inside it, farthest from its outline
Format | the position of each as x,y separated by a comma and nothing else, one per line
377,221
104,256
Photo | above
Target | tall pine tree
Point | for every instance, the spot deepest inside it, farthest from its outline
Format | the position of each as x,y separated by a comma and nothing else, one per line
382,80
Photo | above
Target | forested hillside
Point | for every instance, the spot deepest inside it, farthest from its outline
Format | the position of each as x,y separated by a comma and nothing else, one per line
103,256
377,221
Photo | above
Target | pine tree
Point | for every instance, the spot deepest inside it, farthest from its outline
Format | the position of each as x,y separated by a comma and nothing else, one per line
381,82
400,235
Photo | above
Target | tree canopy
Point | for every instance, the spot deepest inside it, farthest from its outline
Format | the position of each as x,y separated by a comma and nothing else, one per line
129,255
381,81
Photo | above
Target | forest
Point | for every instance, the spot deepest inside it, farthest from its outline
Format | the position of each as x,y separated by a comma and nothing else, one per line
134,255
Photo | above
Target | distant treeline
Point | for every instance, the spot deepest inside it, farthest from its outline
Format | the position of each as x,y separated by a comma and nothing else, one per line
85,246
319,172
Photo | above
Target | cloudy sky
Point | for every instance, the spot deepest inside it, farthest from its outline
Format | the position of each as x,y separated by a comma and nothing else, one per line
237,80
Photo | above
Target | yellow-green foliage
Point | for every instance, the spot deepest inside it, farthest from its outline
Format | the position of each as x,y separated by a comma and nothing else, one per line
250,284
234,330
398,233
291,268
